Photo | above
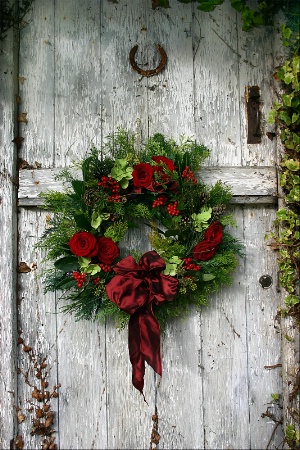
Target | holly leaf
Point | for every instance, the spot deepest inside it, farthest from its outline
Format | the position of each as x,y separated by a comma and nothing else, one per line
78,187
67,263
66,283
82,222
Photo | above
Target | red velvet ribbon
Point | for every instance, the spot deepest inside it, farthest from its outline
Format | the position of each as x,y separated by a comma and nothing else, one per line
134,288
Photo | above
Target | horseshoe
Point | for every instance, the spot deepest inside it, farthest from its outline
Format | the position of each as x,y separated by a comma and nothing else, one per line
148,73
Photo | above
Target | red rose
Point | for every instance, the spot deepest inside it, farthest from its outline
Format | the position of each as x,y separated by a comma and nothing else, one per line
107,250
163,162
214,233
142,175
204,251
84,244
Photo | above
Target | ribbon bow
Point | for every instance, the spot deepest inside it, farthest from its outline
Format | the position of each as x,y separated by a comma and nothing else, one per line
134,288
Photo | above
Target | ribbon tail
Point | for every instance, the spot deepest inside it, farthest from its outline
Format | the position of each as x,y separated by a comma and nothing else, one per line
144,345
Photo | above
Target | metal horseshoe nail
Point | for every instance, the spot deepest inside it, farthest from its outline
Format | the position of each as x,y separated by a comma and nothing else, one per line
148,73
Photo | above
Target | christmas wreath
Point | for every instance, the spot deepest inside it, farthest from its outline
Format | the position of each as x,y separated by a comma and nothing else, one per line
125,186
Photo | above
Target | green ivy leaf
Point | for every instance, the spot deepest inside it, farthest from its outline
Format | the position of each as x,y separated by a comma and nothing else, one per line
295,117
292,165
285,117
287,99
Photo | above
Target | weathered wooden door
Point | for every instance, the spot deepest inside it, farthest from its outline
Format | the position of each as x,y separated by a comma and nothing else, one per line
75,85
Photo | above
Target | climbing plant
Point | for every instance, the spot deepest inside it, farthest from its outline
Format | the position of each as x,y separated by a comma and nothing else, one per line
286,236
263,14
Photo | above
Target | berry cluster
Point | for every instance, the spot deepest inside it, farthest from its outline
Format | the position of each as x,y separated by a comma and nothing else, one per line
96,280
172,209
112,185
105,267
160,201
189,265
80,278
188,174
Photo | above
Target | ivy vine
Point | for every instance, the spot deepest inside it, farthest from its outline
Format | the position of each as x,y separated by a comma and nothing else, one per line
285,114
251,17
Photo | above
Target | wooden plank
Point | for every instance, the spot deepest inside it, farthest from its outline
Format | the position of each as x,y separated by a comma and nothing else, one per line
36,84
36,311
247,183
256,66
8,238
171,112
263,336
216,84
124,104
37,322
81,348
224,365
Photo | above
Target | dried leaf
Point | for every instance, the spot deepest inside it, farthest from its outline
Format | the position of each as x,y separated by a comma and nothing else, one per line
39,413
19,442
23,267
23,117
26,348
18,140
21,80
21,418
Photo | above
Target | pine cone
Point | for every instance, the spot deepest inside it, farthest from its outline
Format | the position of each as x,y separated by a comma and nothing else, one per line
218,210
91,196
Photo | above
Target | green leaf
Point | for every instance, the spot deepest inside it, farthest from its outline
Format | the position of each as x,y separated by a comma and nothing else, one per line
67,264
66,283
78,187
82,222
83,262
285,117
275,397
208,276
292,165
92,269
97,219
287,99
286,32
295,117
169,233
206,6
272,116
164,3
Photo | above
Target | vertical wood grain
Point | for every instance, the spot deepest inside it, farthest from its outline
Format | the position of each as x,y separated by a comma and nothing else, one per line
79,87
124,104
263,332
80,345
36,84
8,236
224,362
216,70
36,323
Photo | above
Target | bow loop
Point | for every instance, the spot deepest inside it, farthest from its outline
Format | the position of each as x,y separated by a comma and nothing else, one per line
134,288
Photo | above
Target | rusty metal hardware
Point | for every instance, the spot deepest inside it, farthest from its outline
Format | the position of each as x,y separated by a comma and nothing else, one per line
148,73
253,115
266,281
